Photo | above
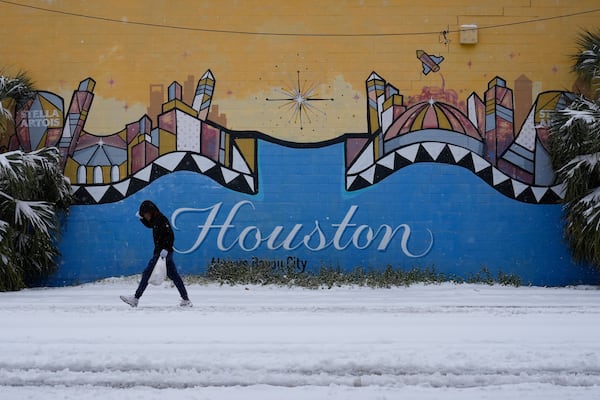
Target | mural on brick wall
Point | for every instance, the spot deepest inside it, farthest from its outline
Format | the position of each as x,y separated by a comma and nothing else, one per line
483,139
430,182
421,144
108,168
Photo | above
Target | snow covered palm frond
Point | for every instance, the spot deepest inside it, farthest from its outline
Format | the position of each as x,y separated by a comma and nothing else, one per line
575,153
57,187
10,86
588,58
5,196
34,175
586,162
575,130
46,157
3,228
33,190
589,208
580,175
4,112
19,88
582,227
588,114
579,126
38,214
10,164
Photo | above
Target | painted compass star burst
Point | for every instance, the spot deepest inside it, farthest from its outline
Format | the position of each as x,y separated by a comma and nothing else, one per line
297,99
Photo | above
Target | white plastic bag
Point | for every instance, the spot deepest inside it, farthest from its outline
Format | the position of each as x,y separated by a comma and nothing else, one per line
159,273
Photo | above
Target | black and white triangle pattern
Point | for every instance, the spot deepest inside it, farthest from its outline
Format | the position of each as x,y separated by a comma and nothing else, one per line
166,164
456,155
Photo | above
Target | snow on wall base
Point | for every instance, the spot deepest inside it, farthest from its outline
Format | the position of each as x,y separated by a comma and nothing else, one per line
424,215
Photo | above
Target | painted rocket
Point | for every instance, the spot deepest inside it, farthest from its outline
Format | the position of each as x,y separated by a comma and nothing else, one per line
430,63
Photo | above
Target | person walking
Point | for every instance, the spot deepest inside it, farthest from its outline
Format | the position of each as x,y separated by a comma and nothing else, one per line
164,238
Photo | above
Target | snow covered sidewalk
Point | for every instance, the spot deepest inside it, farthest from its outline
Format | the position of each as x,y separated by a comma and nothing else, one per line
421,342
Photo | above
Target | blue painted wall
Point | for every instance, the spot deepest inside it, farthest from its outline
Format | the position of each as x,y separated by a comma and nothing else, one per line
443,216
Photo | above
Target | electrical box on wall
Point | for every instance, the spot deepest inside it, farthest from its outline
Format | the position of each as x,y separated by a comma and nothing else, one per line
468,34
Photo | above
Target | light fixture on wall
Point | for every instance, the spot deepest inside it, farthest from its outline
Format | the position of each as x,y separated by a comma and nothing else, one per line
468,34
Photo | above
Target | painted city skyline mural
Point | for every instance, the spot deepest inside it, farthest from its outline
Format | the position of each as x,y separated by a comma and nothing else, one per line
430,182
482,138
341,139
254,198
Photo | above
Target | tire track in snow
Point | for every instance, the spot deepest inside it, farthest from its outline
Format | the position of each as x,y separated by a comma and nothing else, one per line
346,375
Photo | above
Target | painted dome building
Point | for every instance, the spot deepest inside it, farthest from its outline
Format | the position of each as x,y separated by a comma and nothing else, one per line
433,121
483,140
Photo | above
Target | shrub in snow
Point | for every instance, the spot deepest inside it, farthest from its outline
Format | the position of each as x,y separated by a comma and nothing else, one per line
270,272
575,152
33,194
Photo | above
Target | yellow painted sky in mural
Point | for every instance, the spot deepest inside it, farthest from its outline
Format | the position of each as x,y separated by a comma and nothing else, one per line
261,52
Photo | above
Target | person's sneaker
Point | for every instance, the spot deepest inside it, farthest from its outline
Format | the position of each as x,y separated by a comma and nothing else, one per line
131,300
185,303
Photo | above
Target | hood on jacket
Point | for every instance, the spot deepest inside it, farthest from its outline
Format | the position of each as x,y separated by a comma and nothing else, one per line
148,206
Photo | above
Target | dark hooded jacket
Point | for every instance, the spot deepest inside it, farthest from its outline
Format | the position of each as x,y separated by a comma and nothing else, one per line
162,232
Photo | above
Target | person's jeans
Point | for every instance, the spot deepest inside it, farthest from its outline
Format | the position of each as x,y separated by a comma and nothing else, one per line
172,274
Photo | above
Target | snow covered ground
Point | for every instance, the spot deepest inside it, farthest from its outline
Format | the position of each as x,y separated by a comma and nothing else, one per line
421,342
